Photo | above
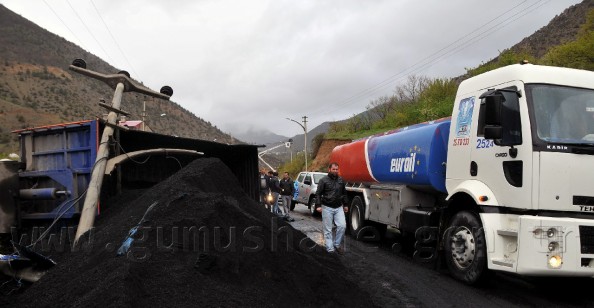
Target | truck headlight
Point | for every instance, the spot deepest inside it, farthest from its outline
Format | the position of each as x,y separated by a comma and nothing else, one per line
551,232
555,261
553,246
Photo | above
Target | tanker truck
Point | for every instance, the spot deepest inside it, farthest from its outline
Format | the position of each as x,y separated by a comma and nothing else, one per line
504,184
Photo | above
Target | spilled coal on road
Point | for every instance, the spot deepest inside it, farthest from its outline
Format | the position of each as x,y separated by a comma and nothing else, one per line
198,240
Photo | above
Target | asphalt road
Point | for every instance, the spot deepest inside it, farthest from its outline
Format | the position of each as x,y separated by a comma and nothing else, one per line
395,279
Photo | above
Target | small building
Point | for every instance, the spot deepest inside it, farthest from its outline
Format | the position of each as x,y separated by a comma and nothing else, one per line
135,125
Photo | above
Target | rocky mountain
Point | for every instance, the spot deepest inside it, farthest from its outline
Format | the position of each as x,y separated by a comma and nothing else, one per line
561,29
36,87
259,137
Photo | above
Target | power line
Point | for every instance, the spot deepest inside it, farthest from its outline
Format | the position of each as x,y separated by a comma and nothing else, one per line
114,40
63,23
90,32
438,55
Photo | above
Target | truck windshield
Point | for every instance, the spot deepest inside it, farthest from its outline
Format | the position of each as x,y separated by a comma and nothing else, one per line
563,114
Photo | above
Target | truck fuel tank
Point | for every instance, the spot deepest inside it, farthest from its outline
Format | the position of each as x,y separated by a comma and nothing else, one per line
414,155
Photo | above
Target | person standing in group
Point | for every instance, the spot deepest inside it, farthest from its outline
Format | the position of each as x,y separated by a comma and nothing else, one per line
264,187
275,190
286,191
332,202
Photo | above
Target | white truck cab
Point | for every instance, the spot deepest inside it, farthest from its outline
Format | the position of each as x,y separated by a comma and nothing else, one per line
521,147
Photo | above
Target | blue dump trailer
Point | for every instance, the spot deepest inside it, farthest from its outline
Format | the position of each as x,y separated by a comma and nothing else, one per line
57,162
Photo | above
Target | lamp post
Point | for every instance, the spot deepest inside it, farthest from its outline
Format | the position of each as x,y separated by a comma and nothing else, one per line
288,145
144,115
304,126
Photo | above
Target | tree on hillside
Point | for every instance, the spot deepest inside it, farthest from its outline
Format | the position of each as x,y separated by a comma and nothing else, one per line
379,109
410,91
577,54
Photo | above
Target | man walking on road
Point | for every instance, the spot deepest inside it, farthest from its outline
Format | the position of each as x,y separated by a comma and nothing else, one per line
331,196
287,189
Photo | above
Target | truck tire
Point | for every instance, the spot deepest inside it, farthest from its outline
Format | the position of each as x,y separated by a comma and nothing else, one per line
357,220
311,204
465,248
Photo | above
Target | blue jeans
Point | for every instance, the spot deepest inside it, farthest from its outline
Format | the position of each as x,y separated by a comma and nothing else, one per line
275,208
330,216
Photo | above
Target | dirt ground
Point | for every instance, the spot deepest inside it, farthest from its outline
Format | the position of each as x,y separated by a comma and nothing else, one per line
199,241
320,163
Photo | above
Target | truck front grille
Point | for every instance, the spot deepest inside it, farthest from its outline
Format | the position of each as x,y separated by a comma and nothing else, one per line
587,239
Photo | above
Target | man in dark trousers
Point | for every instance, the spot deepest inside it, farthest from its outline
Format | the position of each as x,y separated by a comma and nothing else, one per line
264,187
287,189
333,201
275,190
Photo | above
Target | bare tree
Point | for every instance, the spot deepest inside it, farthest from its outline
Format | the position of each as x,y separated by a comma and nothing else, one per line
379,109
410,91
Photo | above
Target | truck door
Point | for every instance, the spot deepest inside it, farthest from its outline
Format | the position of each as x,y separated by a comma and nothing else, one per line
503,164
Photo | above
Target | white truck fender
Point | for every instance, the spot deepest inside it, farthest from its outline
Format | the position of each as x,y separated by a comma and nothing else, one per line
477,190
366,196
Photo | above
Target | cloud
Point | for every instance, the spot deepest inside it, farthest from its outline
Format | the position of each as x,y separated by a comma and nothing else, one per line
251,64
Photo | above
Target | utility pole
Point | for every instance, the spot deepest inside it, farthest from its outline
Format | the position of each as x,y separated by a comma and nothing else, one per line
120,82
143,113
305,130
288,145
304,126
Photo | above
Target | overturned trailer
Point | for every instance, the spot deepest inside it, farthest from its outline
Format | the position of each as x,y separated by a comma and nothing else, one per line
66,169
57,162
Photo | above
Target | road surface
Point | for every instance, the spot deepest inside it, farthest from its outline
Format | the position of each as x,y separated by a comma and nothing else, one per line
395,279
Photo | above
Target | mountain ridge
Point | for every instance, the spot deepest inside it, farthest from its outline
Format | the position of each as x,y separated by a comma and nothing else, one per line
36,88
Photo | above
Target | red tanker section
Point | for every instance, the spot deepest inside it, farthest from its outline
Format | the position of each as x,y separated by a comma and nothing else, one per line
351,158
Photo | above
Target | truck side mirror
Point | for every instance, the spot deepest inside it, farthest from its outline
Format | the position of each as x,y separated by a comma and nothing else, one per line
502,116
493,103
493,132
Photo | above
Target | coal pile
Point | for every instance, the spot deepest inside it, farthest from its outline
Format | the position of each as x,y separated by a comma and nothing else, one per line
203,242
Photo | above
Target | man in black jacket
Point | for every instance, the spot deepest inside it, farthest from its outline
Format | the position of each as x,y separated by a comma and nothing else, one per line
332,202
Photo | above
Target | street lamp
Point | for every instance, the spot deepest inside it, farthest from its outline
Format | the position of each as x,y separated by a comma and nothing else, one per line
288,145
304,126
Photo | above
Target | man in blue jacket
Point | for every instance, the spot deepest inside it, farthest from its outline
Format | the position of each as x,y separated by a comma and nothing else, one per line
332,202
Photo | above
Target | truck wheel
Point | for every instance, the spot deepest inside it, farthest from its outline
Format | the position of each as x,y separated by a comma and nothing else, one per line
312,207
357,216
465,248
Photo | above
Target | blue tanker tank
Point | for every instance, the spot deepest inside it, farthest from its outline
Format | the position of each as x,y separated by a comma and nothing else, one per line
415,155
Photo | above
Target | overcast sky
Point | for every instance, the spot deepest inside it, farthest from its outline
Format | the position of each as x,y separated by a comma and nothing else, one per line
249,64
